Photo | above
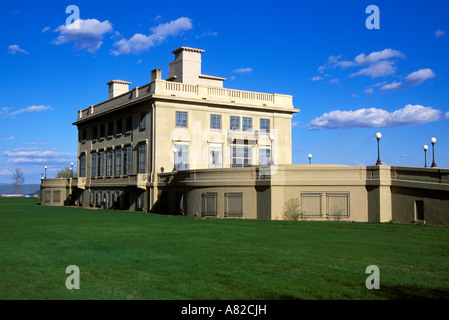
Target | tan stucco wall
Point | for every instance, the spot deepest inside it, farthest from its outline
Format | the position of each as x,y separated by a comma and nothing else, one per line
373,196
200,137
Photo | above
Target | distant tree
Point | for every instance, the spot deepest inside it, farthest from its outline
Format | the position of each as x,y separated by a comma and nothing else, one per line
66,173
18,179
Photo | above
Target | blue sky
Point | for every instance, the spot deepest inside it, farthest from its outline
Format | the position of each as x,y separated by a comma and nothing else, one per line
348,81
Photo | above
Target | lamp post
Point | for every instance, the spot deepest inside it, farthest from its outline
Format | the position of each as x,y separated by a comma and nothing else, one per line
45,172
433,140
425,155
378,136
71,169
310,158
174,157
271,137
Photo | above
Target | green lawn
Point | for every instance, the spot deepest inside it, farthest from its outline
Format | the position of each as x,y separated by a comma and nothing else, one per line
132,255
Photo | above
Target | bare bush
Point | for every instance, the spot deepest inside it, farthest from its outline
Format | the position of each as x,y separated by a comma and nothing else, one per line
292,209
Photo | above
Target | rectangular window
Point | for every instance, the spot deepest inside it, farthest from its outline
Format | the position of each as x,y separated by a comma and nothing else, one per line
264,156
182,157
118,162
235,123
128,160
247,124
338,204
115,197
95,133
181,119
94,165
109,157
241,156
215,157
311,205
102,131
92,199
84,136
101,163
110,129
47,196
56,196
129,124
419,210
215,121
143,121
233,204
99,200
119,126
81,198
107,199
142,157
139,202
209,204
265,125
82,165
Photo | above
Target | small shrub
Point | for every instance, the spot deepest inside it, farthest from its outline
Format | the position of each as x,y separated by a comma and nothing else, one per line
292,209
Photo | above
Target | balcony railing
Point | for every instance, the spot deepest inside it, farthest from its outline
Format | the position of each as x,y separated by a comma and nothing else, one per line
242,135
183,90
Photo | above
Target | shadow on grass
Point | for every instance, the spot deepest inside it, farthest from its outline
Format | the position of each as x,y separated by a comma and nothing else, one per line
413,293
277,296
384,293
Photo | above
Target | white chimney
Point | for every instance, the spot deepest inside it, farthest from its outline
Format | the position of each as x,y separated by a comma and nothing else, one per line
187,65
117,87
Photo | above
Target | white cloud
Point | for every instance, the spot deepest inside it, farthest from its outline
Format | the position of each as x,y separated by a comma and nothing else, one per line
86,34
378,69
243,70
376,56
207,34
5,111
46,29
295,124
418,77
14,48
316,78
331,62
439,33
369,91
5,172
376,64
35,109
362,59
391,86
10,138
23,156
374,118
411,80
140,42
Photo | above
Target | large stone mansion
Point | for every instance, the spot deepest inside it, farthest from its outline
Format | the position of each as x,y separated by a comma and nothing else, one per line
187,145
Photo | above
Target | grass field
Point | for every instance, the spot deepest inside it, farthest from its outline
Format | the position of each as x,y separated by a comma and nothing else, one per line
131,255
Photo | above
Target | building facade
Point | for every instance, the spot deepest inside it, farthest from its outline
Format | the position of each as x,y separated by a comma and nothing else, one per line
187,121
187,145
